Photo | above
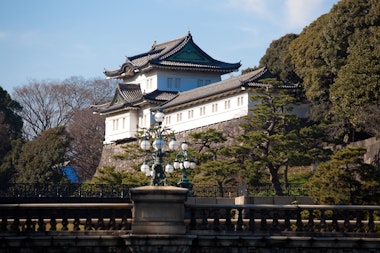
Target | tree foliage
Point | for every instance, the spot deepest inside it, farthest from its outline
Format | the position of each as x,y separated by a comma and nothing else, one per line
337,56
86,131
42,159
109,175
10,134
49,104
345,179
278,60
271,137
212,166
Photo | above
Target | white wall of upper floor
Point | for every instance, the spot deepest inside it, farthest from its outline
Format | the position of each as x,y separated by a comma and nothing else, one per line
172,81
212,112
127,124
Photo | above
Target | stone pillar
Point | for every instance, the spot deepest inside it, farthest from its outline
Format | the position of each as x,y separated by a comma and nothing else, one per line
158,210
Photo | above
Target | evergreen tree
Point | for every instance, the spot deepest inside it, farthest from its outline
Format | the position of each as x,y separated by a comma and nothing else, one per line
277,59
10,135
212,166
42,159
345,179
271,135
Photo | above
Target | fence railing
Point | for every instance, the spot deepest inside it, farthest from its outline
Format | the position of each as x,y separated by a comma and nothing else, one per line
333,220
86,190
298,220
38,217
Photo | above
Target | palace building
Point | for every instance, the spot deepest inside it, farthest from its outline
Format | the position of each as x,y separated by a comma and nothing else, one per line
185,82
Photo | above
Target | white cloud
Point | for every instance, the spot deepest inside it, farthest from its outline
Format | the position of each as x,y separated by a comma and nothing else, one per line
300,13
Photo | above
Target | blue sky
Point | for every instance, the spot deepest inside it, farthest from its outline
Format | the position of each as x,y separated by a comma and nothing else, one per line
56,39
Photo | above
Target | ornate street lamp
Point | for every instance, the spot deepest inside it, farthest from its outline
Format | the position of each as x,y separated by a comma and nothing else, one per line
153,162
184,160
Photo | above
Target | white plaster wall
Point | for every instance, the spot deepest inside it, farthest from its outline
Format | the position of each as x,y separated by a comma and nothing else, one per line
210,117
189,80
121,126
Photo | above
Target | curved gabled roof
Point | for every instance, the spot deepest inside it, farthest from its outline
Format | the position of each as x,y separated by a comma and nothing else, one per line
129,96
233,84
179,54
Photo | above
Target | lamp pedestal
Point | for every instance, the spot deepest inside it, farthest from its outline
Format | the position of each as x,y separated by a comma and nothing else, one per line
158,210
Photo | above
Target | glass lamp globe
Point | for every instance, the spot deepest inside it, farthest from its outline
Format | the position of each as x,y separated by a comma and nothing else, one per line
144,168
158,143
186,164
145,144
169,168
173,144
184,146
192,164
159,116
176,165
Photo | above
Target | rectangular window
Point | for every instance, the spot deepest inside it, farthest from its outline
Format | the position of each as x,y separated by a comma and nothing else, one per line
207,82
177,83
168,120
123,123
227,104
214,107
202,111
115,124
144,120
149,83
200,82
170,83
240,101
179,117
190,114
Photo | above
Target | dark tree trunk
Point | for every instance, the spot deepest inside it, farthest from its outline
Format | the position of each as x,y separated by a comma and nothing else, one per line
275,180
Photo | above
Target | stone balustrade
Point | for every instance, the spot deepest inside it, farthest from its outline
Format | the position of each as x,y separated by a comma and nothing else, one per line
45,217
323,220
109,227
301,220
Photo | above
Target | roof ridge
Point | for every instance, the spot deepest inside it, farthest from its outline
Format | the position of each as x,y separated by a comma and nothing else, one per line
171,41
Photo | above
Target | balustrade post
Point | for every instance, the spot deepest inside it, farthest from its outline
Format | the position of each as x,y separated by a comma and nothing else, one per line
229,226
252,224
263,224
323,221
216,224
371,222
359,223
346,223
239,225
310,224
287,221
299,220
335,225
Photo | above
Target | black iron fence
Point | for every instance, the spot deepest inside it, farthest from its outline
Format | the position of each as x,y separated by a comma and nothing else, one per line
86,190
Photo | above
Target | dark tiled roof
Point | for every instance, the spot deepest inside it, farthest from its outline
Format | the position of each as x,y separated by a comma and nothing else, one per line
128,96
181,53
250,79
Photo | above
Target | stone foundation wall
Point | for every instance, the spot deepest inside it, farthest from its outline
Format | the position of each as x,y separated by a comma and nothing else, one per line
230,128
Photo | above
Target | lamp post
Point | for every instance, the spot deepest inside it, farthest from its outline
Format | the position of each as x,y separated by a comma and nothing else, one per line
153,162
184,160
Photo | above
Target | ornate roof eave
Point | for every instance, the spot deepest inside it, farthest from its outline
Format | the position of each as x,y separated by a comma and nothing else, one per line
268,86
115,110
205,99
194,68
126,70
